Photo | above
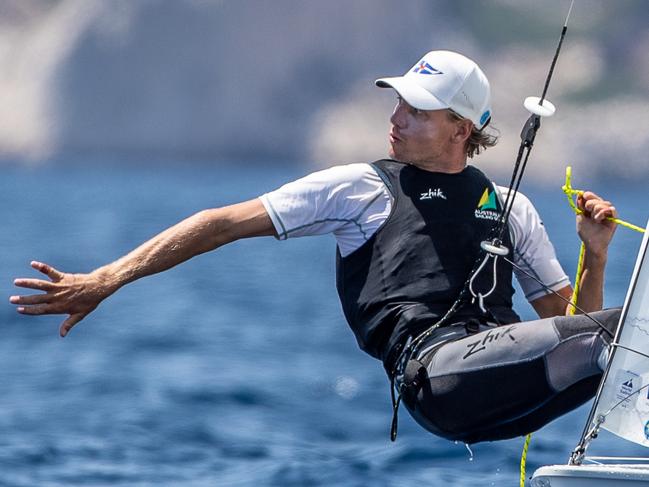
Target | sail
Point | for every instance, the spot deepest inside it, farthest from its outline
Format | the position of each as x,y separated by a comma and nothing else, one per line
624,397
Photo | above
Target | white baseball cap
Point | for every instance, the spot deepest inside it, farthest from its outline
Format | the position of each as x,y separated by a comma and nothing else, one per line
445,79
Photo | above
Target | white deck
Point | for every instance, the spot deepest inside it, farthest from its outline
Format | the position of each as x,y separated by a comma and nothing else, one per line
591,476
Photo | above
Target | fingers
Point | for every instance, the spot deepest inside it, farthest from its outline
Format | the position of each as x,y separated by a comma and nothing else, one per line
584,198
72,320
600,210
595,207
48,270
40,284
605,212
589,195
37,309
31,299
37,284
51,301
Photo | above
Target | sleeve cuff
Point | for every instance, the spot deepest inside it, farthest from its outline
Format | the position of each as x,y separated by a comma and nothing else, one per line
274,217
540,292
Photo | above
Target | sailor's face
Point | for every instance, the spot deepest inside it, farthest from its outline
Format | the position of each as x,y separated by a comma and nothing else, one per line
420,136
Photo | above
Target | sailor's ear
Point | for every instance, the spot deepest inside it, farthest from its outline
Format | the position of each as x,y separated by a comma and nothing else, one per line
463,130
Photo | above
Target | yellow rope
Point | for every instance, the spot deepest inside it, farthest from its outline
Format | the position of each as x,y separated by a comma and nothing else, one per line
570,193
524,458
580,269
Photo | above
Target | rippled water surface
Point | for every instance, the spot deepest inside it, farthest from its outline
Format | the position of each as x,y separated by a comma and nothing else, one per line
236,368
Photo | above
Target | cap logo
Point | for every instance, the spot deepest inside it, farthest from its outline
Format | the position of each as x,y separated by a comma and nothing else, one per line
424,68
485,116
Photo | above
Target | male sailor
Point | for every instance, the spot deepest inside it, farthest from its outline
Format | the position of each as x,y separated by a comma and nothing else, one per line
408,233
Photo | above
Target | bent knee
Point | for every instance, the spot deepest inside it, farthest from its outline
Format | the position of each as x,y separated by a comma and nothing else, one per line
604,322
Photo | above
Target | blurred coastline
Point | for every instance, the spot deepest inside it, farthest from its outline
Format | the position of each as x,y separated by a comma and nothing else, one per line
293,81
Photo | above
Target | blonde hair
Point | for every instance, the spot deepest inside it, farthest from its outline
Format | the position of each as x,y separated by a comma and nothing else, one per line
479,140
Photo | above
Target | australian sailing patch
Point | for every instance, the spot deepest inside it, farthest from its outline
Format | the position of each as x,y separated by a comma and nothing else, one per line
487,208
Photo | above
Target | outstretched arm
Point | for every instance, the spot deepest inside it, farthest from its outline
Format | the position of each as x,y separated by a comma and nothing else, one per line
596,232
79,294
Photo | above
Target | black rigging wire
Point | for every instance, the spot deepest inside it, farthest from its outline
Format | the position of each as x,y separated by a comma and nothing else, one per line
528,135
574,305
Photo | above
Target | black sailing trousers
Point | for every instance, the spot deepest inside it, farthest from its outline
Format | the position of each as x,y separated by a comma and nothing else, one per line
507,381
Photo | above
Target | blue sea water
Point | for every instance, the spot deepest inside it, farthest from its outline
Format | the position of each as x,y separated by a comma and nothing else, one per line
234,369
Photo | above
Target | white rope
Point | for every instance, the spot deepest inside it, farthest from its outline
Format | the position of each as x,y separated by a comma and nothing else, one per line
481,297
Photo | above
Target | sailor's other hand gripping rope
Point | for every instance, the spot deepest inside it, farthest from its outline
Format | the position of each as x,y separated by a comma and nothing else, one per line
571,193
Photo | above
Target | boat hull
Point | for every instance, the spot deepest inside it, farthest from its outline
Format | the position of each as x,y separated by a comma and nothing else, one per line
591,476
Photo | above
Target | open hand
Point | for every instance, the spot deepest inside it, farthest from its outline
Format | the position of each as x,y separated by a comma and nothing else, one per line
593,225
76,295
